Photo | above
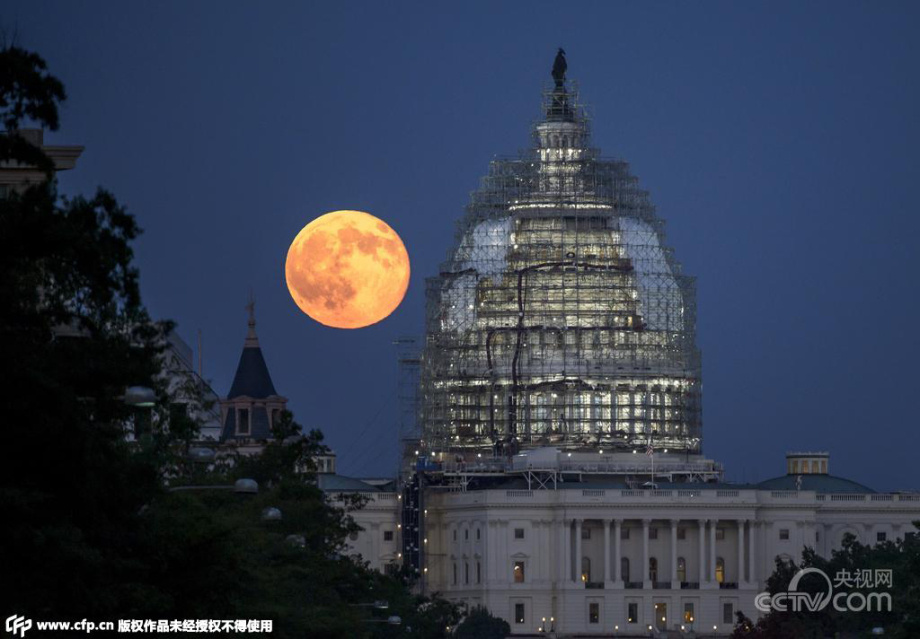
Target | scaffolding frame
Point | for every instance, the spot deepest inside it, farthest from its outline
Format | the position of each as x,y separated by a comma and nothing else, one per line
560,317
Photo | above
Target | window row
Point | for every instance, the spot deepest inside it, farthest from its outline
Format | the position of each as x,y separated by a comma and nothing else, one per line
466,534
652,533
466,573
688,615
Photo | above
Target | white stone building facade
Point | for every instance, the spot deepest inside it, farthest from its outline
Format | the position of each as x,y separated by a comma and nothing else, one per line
605,561
587,555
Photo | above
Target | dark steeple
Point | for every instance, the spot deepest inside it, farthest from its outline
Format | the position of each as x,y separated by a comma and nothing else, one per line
252,378
252,405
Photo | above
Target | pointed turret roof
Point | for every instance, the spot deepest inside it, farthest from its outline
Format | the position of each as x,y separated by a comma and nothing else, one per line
252,378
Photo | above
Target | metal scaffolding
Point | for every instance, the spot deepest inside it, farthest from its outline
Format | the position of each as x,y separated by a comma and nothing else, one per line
560,318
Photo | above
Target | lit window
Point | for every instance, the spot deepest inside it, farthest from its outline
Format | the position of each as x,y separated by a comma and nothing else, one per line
688,612
518,533
720,570
784,534
594,613
585,569
519,572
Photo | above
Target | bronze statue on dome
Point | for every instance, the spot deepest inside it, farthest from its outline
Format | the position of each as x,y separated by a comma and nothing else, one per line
559,67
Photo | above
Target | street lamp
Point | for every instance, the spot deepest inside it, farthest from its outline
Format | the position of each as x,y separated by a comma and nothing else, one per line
380,604
140,396
246,486
271,514
201,455
297,540
393,620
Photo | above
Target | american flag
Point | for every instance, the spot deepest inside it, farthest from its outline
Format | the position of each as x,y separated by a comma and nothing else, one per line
649,450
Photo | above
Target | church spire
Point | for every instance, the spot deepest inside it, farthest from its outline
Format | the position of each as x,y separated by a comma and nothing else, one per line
252,378
252,340
252,406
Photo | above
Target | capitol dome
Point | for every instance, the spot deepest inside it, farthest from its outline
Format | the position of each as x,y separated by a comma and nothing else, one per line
560,317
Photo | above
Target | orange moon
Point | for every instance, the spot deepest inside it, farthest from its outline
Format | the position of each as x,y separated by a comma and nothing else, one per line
347,269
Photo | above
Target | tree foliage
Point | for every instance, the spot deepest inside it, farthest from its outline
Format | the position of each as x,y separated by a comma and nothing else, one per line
902,557
100,525
27,93
480,624
74,335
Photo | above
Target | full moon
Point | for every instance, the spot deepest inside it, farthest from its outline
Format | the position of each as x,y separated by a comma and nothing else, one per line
347,269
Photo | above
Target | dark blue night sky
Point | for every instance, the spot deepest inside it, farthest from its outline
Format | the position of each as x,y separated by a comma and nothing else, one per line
778,140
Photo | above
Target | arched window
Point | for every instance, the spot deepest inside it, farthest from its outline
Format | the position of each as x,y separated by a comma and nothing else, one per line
624,568
720,570
652,569
681,569
585,569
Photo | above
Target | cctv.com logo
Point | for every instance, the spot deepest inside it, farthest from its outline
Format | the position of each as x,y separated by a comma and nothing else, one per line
17,624
824,595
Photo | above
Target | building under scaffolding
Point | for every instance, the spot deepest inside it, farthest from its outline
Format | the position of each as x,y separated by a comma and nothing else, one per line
560,342
560,317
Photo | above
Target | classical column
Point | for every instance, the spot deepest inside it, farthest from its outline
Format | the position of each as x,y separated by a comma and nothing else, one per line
750,558
702,523
578,553
560,552
674,583
375,544
507,566
535,565
567,552
493,551
606,552
740,552
712,549
645,576
617,557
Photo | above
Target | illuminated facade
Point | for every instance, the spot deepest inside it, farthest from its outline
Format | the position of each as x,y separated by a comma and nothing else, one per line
560,318
561,341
